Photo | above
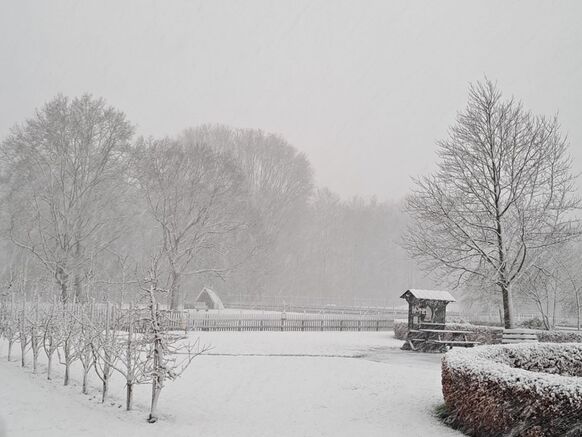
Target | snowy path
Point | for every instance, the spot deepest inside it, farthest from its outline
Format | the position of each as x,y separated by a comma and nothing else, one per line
370,390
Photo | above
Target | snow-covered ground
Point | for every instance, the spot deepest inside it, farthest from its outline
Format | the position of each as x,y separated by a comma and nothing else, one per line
251,384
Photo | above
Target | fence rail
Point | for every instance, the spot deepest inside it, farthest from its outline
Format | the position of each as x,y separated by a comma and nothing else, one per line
278,322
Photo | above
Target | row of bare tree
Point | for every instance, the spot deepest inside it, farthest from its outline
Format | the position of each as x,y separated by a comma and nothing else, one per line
135,341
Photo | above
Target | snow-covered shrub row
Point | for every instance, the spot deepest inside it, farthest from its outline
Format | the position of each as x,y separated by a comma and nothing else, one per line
559,336
482,334
520,389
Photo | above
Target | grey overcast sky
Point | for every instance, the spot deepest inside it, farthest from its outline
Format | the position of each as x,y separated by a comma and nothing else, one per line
364,88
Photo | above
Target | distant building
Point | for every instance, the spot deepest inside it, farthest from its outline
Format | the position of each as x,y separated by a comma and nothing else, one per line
210,299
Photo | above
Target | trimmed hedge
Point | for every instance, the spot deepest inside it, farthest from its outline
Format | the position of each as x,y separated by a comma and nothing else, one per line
559,336
526,389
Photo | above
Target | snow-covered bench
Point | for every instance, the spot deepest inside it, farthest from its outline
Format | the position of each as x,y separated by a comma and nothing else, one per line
518,335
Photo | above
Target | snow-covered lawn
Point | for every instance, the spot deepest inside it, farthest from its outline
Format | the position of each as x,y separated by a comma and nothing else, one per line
251,384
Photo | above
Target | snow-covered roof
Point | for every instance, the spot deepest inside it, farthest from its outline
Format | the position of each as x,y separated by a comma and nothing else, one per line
213,296
430,295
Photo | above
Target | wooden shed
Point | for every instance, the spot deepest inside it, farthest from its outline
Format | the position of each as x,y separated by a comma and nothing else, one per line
427,306
210,299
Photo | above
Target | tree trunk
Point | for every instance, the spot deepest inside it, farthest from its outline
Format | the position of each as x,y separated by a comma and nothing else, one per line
158,359
10,344
578,310
156,390
129,396
78,282
66,380
507,306
34,360
49,366
62,279
177,297
85,380
23,353
105,387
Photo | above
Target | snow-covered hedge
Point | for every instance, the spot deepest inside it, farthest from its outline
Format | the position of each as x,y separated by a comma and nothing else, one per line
520,389
482,334
559,336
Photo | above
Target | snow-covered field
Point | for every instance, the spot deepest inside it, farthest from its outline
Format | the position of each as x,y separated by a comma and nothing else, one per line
251,384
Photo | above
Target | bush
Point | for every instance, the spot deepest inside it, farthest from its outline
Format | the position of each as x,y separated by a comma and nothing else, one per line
559,336
520,389
535,323
400,329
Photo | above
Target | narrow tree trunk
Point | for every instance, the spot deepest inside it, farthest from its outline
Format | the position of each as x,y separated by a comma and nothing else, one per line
77,282
34,360
49,366
156,390
66,379
129,396
85,380
107,356
507,306
104,388
578,310
129,362
10,344
23,353
62,279
177,298
158,359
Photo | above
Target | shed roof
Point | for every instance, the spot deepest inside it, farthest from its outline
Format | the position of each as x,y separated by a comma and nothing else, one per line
213,297
430,295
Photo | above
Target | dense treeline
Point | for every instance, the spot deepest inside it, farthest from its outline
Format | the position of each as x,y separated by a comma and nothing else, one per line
86,206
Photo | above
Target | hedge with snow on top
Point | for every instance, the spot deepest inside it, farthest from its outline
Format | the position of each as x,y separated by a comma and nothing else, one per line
528,389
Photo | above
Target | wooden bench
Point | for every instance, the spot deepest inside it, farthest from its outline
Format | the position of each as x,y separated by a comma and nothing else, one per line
519,335
452,343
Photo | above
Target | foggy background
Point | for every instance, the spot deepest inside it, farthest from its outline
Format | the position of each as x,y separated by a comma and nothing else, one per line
364,89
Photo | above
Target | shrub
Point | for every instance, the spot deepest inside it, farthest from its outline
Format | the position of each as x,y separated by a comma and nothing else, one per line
535,323
559,336
520,390
400,329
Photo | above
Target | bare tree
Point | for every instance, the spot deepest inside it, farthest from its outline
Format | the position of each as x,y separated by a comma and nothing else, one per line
168,353
280,182
64,171
503,194
51,336
195,196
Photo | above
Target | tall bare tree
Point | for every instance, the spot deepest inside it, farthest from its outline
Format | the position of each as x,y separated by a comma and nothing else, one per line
63,172
195,195
503,193
280,181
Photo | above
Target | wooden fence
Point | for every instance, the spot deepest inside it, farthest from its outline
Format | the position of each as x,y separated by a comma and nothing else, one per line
204,321
198,320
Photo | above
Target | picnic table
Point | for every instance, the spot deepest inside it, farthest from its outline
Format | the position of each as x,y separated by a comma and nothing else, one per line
437,340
